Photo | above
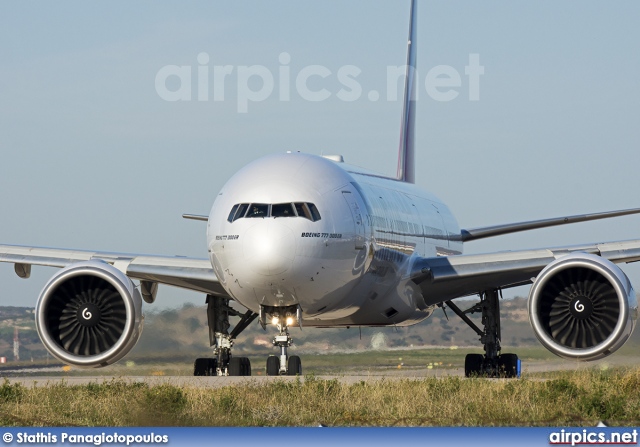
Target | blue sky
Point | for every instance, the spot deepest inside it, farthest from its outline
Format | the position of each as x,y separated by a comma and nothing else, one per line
92,158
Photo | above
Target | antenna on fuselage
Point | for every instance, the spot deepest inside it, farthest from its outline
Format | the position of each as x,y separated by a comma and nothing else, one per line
406,151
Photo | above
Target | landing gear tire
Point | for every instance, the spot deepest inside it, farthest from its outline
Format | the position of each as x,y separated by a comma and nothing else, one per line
473,364
235,366
508,365
201,367
273,366
239,366
246,366
294,366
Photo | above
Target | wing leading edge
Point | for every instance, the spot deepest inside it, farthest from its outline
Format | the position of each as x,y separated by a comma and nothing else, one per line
188,273
446,278
499,230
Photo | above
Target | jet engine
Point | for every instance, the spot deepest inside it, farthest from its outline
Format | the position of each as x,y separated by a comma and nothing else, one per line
89,314
582,307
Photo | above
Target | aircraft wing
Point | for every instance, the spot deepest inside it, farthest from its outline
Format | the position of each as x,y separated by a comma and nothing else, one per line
445,278
473,234
188,273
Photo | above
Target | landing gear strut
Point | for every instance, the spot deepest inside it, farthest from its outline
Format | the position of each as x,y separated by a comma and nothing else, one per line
283,318
492,363
223,363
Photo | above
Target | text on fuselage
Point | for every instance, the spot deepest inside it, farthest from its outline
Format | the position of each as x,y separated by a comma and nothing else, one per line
323,235
228,237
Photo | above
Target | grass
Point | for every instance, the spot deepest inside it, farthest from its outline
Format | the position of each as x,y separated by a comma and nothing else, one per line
568,398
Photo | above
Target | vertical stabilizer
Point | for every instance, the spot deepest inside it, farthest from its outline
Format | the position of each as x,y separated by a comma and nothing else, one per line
406,152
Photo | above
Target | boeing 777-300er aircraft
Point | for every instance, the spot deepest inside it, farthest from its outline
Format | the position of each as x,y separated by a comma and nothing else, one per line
304,240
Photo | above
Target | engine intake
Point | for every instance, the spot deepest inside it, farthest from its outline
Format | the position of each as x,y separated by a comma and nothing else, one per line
89,314
583,307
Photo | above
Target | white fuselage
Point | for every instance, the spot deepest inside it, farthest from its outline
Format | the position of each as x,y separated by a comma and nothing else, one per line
350,264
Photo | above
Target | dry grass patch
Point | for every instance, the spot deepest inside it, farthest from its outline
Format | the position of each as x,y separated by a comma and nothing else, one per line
572,398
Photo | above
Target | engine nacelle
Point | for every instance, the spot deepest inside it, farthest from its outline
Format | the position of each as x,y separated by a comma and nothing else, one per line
89,314
583,307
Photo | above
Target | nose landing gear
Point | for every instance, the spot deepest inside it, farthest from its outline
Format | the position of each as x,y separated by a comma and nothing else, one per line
283,318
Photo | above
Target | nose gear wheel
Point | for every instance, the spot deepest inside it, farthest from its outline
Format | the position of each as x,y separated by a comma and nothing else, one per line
283,365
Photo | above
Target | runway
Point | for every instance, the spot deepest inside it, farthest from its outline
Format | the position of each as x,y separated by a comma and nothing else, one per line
160,374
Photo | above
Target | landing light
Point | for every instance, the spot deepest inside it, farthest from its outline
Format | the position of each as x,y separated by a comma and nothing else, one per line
289,321
274,320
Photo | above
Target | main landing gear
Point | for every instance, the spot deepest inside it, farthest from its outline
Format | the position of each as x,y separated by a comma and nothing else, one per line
283,318
492,363
223,363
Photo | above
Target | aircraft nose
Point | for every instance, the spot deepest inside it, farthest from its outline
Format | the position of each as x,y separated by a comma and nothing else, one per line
269,248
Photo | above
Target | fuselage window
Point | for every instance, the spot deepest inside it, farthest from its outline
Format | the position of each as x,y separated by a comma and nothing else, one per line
232,213
242,209
282,210
258,210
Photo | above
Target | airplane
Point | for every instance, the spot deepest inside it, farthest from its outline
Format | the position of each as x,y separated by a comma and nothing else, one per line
300,240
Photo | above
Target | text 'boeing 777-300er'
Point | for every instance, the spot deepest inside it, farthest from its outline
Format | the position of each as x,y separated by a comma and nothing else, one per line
333,245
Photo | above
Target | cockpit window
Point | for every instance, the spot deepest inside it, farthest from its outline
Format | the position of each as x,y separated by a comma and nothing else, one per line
306,210
232,213
303,210
258,210
282,210
314,212
242,209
